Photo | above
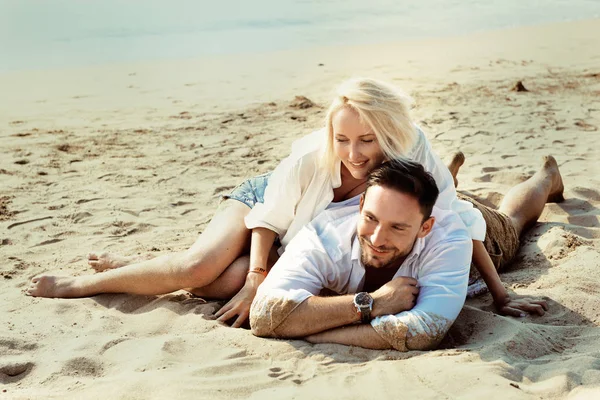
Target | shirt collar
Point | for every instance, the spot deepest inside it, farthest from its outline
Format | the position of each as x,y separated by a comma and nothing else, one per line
416,250
356,249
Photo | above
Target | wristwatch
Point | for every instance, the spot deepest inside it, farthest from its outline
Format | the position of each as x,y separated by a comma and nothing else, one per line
364,304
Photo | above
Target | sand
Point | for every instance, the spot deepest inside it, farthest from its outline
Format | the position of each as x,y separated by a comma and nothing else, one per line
132,158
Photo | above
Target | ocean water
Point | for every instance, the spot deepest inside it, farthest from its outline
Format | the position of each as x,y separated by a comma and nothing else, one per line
40,34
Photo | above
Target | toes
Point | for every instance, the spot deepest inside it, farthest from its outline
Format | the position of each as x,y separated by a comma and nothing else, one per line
92,255
96,265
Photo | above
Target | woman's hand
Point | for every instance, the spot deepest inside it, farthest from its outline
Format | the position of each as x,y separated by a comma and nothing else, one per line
520,306
240,303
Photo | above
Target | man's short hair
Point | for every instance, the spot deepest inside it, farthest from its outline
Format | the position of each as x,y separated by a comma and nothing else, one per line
407,177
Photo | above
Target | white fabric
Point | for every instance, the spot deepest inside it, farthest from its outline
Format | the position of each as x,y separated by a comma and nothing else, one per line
299,189
326,255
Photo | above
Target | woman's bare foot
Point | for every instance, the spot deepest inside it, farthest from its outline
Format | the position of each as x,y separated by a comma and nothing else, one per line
103,260
54,286
458,159
556,192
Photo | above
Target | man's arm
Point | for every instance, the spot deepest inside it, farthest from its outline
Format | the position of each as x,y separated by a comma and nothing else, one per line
355,335
443,277
318,314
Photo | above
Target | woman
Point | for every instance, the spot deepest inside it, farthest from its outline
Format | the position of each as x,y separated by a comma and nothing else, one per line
367,123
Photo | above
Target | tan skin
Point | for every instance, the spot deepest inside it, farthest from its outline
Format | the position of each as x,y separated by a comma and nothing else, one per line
524,204
216,265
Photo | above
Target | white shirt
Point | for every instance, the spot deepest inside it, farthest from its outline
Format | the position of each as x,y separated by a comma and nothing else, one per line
326,255
299,189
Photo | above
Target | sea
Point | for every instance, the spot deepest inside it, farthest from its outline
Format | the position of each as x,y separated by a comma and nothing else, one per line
43,34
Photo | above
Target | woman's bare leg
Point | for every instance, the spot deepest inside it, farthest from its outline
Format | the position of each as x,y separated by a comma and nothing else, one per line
232,279
221,243
228,283
525,202
102,261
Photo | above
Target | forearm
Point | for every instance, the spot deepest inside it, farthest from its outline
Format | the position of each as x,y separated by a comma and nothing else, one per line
488,272
260,246
313,315
353,335
317,314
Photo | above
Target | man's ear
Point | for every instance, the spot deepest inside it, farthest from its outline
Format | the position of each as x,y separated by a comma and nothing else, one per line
362,201
426,227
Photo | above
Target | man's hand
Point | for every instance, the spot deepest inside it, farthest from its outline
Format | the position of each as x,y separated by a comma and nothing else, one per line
520,306
399,294
240,303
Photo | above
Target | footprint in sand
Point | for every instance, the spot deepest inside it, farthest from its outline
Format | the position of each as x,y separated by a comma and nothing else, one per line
83,366
588,194
9,346
584,126
282,375
13,371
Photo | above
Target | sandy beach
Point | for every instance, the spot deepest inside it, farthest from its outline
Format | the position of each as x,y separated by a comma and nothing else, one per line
132,158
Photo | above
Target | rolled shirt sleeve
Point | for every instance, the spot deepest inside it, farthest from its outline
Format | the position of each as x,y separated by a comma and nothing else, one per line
443,279
294,193
296,276
281,197
447,200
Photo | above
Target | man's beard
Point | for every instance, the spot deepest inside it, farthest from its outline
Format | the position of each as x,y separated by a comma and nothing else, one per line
396,257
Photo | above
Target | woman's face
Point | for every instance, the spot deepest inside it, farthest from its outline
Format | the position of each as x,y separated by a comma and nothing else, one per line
355,144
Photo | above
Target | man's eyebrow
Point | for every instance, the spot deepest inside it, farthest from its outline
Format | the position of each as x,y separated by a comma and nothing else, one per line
401,225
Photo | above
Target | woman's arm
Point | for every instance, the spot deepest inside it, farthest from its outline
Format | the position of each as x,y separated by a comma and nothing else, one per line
505,304
260,246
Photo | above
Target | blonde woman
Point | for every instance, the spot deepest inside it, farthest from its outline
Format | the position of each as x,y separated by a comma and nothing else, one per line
367,123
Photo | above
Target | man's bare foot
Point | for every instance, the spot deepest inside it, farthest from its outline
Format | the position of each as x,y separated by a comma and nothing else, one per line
551,168
458,159
103,260
54,286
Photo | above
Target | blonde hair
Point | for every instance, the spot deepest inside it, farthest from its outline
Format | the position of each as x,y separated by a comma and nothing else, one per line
381,106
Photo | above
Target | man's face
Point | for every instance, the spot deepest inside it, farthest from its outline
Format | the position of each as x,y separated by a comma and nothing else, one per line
388,226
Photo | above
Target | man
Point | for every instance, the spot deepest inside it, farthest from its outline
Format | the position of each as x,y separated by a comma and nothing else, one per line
407,262
398,250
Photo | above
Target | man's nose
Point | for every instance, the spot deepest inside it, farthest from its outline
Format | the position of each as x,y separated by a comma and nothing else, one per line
378,237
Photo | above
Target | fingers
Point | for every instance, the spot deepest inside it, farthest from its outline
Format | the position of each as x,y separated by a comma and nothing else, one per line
404,280
229,311
512,312
533,308
541,303
227,316
410,281
240,320
223,309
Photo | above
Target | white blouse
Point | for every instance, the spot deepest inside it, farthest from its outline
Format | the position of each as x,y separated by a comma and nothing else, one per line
299,189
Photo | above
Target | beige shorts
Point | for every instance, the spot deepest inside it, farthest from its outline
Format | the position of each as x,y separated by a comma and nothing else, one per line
501,238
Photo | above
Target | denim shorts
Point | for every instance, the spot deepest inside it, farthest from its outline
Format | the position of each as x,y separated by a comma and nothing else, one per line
251,191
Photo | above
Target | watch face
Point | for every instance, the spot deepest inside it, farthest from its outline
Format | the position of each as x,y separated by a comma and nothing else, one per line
363,299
